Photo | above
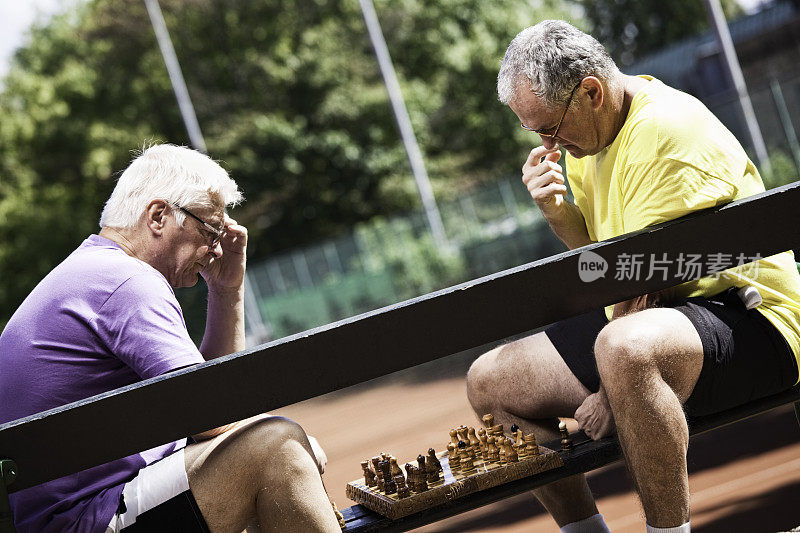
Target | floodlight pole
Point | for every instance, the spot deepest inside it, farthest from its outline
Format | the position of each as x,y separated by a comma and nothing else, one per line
260,332
175,75
728,52
404,124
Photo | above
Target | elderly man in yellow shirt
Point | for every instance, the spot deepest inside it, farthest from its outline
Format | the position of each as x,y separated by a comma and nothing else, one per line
639,153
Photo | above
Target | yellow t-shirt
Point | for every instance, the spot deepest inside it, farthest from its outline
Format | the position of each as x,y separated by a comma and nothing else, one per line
672,157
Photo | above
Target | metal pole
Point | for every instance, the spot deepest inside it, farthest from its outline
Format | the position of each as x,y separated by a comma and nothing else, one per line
404,123
175,75
259,330
786,121
735,72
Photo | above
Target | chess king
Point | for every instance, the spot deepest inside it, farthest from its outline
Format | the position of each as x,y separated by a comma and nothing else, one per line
638,153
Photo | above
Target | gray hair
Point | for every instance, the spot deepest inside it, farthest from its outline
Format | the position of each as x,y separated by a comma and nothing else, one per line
177,174
553,57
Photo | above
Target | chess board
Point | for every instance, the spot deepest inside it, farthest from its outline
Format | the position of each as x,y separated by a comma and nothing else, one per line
451,486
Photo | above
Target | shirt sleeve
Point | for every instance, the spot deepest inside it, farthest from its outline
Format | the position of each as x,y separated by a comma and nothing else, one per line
662,189
142,325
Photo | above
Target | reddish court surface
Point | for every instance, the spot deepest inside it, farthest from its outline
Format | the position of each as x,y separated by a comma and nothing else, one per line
744,477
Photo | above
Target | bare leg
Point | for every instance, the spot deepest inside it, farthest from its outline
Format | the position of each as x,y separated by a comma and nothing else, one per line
261,472
649,363
527,383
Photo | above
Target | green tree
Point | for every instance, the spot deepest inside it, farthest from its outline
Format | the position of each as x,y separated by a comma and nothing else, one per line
630,29
289,97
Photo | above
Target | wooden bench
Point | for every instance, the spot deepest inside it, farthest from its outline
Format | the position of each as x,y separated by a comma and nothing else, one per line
68,439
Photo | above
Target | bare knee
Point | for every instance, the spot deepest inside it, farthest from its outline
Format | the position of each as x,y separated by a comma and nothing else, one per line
484,379
624,354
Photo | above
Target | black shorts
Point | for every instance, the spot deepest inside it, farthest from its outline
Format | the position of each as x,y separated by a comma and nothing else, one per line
179,514
744,356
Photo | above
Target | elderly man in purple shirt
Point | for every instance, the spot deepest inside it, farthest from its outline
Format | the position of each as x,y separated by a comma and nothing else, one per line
107,317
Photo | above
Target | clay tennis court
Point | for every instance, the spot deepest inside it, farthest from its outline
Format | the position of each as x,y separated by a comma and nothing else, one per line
744,477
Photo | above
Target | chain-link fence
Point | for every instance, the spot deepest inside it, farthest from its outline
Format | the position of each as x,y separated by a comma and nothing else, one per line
489,229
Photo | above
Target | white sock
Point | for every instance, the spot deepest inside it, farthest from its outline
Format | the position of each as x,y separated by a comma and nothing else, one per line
593,524
677,529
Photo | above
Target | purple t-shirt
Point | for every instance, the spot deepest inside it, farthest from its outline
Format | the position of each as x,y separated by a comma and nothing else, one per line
99,321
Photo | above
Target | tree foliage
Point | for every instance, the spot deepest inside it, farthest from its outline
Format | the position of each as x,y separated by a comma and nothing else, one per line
630,29
289,97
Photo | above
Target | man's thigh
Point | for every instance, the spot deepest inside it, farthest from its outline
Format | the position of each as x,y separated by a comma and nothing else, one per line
528,378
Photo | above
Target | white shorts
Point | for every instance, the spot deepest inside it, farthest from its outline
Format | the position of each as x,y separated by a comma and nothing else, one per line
155,484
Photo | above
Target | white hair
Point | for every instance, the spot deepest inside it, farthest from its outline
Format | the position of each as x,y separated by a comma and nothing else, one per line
552,57
176,174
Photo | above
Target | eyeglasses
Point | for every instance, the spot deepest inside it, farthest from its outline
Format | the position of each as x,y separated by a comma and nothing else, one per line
543,132
218,233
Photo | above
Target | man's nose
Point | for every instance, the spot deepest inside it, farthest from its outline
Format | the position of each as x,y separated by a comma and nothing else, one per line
548,142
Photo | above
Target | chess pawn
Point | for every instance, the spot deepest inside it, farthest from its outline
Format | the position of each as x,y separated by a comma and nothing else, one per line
423,468
376,465
400,481
488,420
474,443
484,444
369,475
531,448
419,476
493,452
566,441
412,482
467,464
389,485
452,458
511,453
454,437
433,466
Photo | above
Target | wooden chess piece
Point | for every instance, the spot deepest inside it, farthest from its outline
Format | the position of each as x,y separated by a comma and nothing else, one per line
462,434
497,430
453,458
454,437
531,448
422,483
493,451
376,465
488,420
519,446
433,466
467,464
511,453
400,480
369,475
412,481
474,443
484,444
395,470
566,441
389,486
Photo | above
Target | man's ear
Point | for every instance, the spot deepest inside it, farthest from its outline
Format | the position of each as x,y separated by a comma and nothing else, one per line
155,216
594,89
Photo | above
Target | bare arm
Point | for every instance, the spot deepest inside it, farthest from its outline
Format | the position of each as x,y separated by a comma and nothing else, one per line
544,178
225,278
